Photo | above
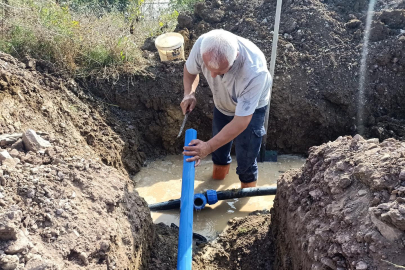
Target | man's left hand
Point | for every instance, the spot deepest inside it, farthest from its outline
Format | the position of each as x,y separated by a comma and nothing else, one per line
197,150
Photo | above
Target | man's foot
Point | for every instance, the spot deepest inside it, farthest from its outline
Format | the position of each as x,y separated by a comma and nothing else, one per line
220,171
248,185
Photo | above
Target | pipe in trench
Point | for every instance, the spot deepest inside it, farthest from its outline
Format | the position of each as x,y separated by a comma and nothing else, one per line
184,252
212,196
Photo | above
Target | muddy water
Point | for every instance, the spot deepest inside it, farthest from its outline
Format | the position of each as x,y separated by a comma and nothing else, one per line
161,181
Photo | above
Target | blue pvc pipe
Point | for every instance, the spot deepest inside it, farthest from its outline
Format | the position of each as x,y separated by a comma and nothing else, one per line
184,253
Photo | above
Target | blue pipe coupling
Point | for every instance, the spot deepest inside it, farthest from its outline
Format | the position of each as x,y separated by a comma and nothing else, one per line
199,201
212,197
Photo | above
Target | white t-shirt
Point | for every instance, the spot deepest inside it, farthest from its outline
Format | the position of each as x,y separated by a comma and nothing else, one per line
244,88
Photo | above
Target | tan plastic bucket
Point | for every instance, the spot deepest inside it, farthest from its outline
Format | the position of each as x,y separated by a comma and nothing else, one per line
170,46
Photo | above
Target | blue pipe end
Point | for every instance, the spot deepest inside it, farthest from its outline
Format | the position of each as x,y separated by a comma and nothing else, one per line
212,197
199,201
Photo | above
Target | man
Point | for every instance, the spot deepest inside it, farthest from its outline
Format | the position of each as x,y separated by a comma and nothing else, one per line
236,71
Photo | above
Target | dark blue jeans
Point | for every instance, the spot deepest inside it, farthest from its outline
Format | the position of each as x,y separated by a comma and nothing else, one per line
247,144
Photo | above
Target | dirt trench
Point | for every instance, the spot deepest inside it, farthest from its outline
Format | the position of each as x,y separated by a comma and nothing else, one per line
102,130
315,85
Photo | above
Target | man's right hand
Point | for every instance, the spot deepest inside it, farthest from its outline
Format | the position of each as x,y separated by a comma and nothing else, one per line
188,103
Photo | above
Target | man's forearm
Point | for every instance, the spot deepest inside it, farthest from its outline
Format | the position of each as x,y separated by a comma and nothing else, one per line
190,82
229,132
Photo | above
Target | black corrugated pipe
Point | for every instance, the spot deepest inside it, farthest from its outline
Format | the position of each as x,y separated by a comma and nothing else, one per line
212,197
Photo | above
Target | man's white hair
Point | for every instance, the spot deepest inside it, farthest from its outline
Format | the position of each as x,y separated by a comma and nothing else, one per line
221,45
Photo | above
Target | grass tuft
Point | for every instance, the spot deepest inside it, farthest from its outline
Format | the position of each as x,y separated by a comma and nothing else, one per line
82,37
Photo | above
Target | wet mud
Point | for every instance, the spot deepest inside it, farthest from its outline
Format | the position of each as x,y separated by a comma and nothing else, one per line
161,181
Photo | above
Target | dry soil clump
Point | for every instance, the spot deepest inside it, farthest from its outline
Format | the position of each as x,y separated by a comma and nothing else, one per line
345,209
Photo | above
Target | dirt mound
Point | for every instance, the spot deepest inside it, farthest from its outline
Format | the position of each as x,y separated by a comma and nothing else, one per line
245,244
164,250
38,100
318,63
61,207
345,209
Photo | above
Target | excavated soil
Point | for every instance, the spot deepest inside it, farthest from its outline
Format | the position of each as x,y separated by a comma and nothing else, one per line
317,74
61,206
245,244
71,205
345,209
318,63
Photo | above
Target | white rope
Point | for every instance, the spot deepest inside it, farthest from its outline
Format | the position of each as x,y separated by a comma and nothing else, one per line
272,67
275,37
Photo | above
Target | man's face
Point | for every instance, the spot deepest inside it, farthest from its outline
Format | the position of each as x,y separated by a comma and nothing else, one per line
222,69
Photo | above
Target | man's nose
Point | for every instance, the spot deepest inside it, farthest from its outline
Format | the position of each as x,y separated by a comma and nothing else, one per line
213,74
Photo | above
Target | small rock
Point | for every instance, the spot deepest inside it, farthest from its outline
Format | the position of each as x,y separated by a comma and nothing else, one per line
61,175
353,24
361,265
264,21
14,153
362,192
83,257
9,262
30,193
328,262
316,194
9,224
34,142
375,201
385,157
59,212
358,137
4,155
373,141
402,175
104,246
37,263
390,233
22,243
344,182
11,162
397,218
289,46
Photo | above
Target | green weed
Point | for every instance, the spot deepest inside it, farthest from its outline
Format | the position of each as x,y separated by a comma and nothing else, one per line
81,36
